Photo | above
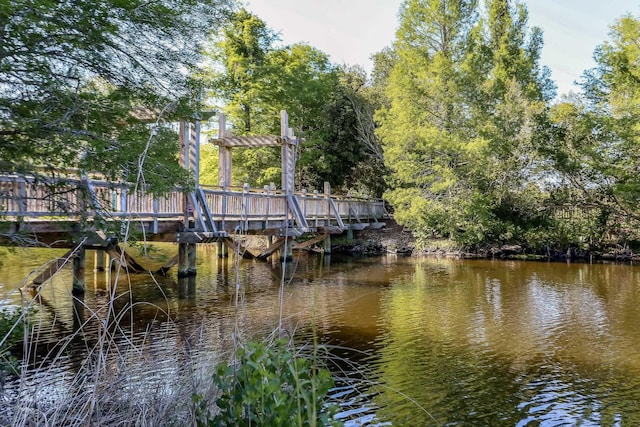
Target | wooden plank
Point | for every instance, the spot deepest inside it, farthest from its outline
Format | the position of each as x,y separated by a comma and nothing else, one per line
330,229
249,141
198,237
53,268
310,242
164,270
271,249
238,248
125,260
359,226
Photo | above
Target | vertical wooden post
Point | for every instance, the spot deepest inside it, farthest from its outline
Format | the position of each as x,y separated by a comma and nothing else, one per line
245,201
99,260
327,193
123,200
286,251
224,154
191,259
326,245
156,209
222,249
196,155
183,260
304,202
182,159
288,154
349,230
78,271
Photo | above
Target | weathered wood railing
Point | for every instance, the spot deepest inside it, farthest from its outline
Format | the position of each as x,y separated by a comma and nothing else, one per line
30,198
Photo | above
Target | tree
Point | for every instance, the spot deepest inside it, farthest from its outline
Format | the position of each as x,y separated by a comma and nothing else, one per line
257,80
593,139
464,96
79,81
243,50
612,91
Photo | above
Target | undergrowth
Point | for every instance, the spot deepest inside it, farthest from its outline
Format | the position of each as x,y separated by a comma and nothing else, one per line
269,385
12,322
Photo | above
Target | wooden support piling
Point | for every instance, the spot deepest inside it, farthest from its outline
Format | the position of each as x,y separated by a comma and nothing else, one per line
326,245
98,257
183,261
186,259
191,259
78,271
222,249
286,251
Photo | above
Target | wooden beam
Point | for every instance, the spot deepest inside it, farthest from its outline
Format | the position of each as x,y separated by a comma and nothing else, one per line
164,270
238,248
330,229
310,242
125,260
271,249
248,141
53,268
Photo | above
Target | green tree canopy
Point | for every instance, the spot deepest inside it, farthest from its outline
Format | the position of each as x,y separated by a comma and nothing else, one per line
78,77
464,98
255,80
593,144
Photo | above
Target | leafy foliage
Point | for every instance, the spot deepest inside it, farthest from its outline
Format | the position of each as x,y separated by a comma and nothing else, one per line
11,333
257,80
80,80
465,96
270,386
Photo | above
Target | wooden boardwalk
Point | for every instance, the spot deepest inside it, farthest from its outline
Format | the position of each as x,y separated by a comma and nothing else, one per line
49,211
80,212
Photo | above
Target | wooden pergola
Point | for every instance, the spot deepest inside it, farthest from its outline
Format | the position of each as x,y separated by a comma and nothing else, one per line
287,141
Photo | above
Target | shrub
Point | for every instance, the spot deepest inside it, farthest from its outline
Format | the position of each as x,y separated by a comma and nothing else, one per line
11,332
269,385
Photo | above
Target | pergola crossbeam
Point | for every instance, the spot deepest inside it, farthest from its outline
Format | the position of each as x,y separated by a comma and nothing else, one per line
249,141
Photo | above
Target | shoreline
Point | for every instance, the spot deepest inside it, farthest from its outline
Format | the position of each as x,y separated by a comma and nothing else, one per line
395,239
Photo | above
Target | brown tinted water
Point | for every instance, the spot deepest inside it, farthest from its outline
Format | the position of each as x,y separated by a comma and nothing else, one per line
413,341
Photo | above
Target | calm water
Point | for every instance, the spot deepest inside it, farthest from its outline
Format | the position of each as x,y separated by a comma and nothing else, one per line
413,341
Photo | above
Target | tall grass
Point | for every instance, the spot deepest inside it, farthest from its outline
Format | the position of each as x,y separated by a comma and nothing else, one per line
106,372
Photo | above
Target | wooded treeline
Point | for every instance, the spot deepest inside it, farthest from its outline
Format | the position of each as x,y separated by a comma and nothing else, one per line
458,126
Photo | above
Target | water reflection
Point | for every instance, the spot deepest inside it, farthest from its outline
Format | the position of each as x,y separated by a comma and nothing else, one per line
485,343
412,341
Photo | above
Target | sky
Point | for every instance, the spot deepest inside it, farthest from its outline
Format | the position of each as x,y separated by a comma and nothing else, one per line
350,31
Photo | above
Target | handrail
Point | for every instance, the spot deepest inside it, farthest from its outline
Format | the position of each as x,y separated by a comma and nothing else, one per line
67,198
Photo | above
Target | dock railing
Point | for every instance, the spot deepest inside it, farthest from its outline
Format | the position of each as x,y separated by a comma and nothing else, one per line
30,198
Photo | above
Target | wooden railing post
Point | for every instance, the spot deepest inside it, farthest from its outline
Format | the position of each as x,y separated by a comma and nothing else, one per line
316,198
349,230
22,198
245,202
327,194
224,207
156,208
267,188
304,202
123,200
